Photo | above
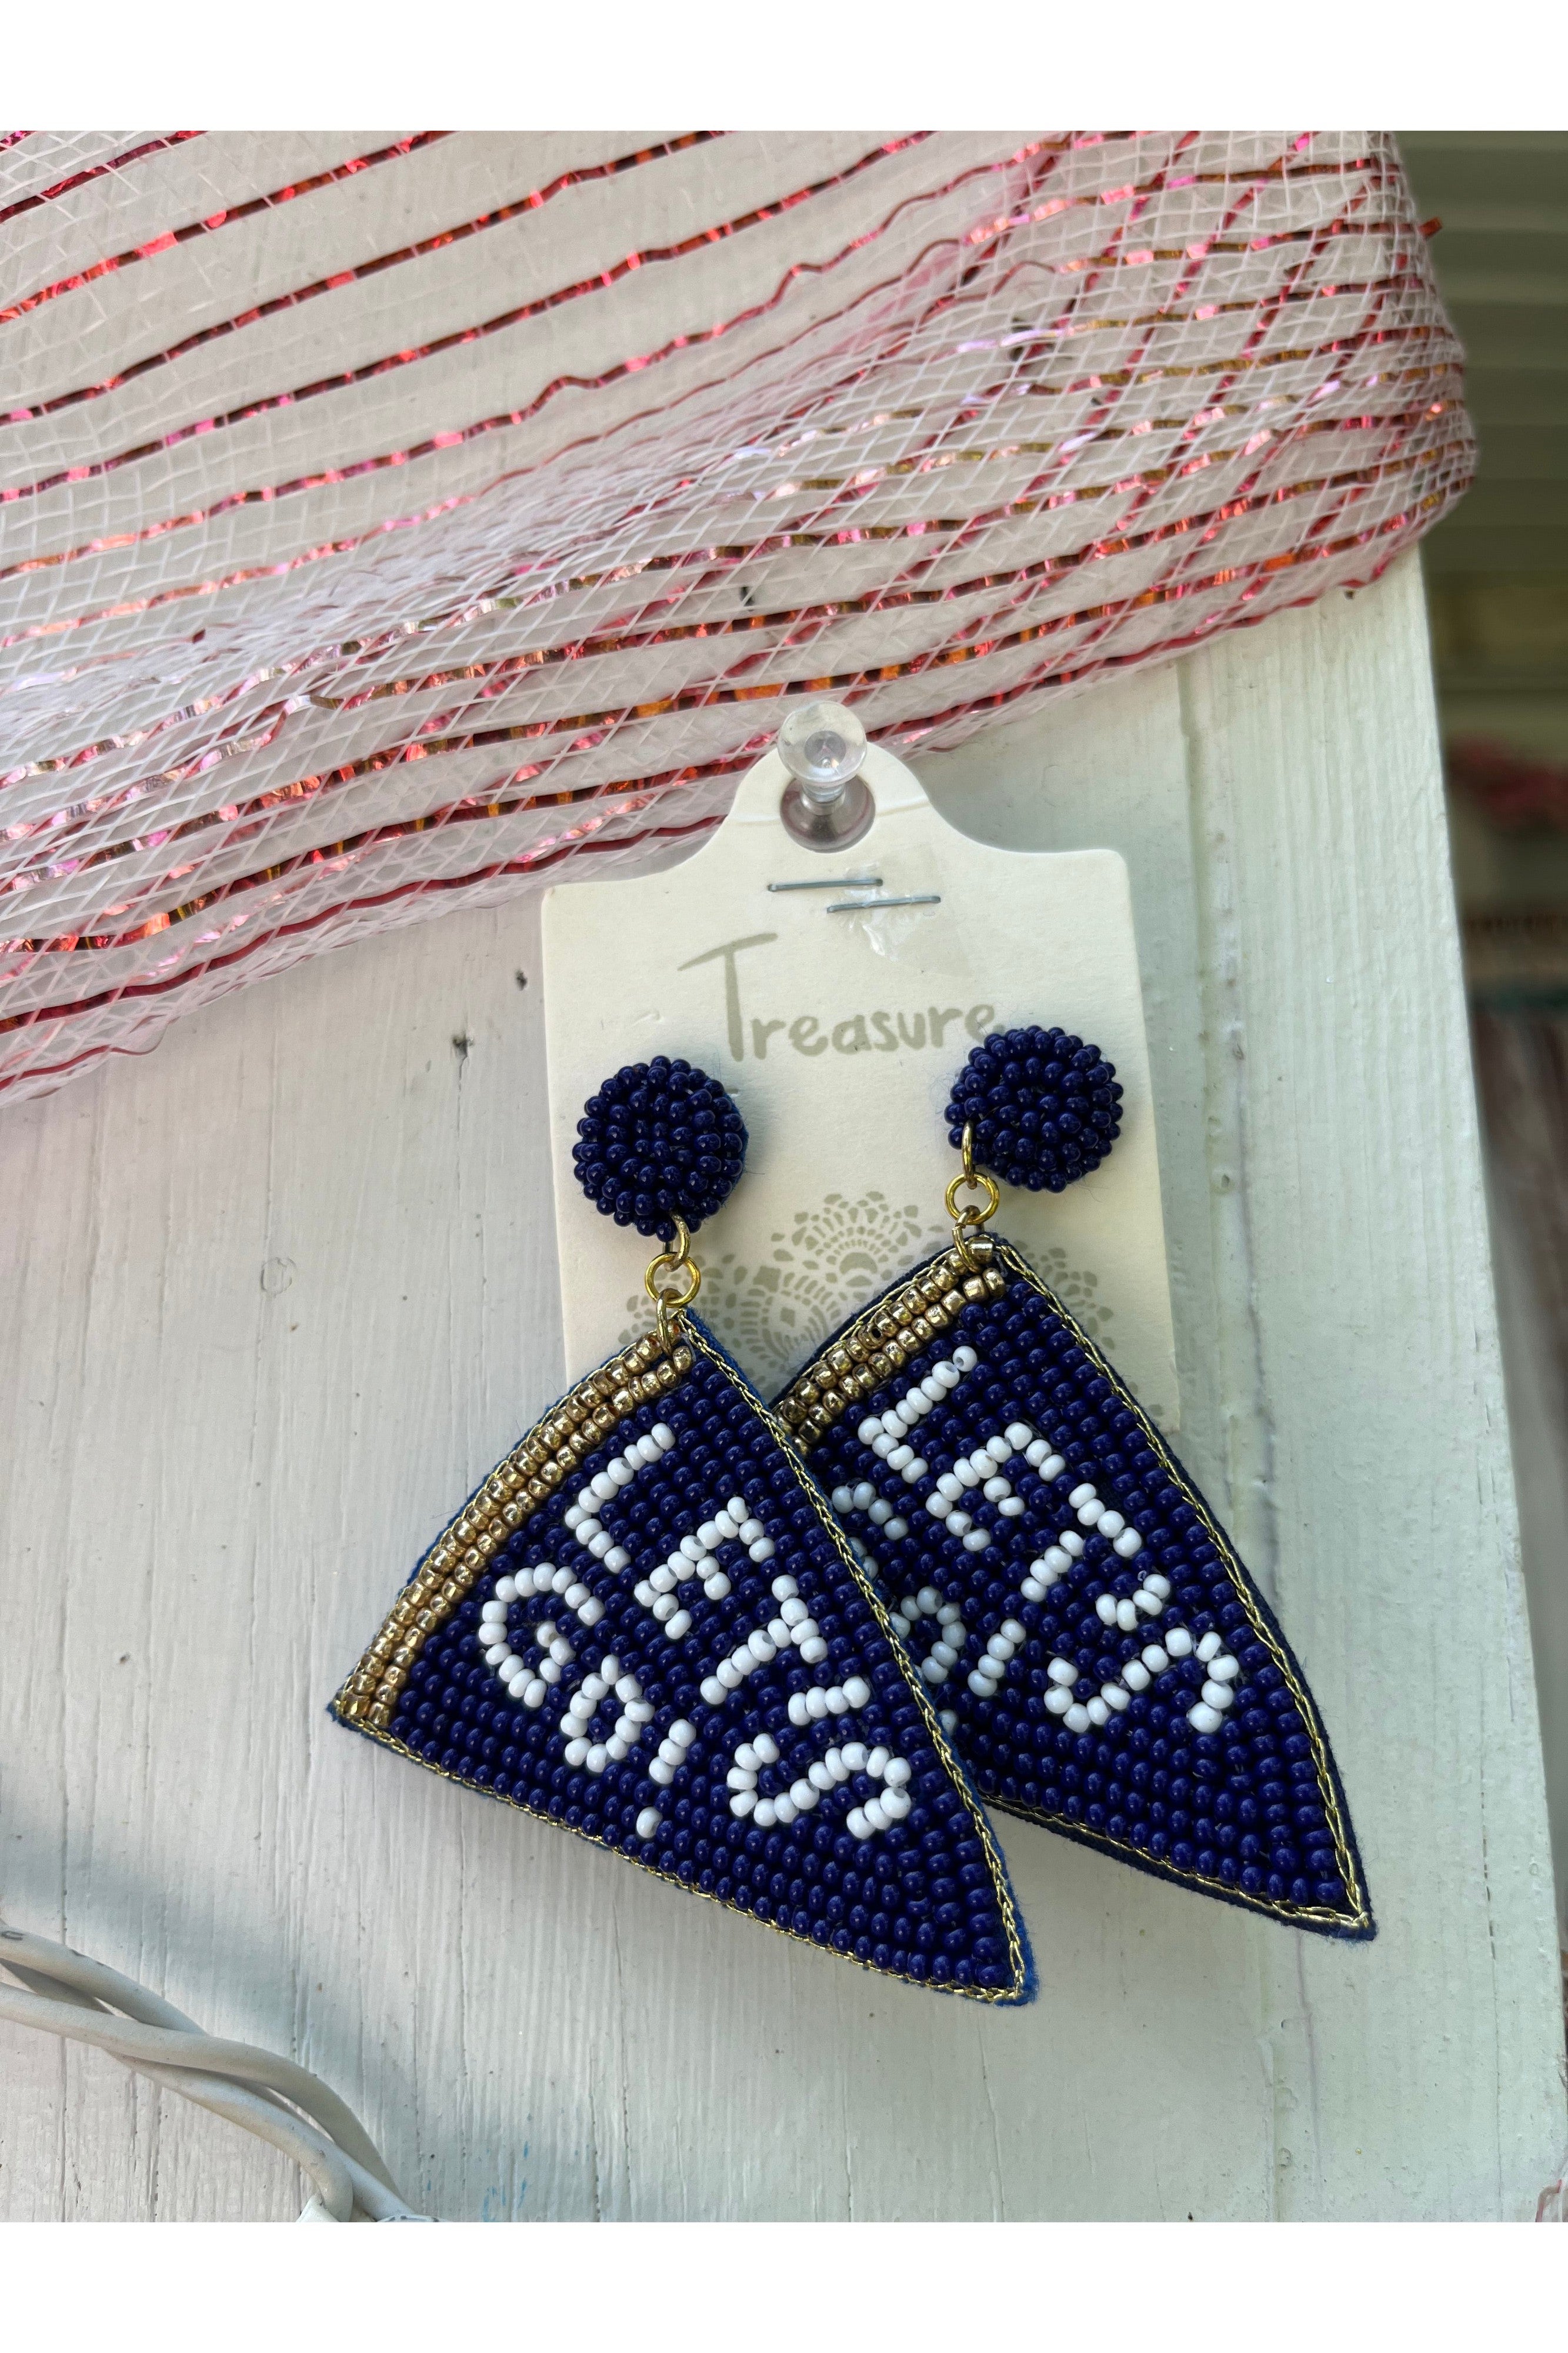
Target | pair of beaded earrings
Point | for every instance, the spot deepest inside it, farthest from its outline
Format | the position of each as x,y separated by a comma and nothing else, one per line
786,1656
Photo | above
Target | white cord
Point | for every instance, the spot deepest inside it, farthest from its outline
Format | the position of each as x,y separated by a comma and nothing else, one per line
62,1992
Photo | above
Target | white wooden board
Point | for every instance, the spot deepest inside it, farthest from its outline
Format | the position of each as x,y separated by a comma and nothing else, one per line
274,1296
839,1037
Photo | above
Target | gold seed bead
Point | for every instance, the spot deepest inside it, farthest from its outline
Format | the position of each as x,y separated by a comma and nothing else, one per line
882,1364
682,1359
623,1401
973,1288
953,1303
995,1282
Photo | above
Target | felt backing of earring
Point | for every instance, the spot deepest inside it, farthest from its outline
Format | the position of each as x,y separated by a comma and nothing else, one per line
838,1035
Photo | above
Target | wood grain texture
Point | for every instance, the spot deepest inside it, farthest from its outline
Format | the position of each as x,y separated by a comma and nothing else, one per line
276,1296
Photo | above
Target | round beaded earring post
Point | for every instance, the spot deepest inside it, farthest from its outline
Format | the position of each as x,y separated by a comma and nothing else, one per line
1098,1652
646,1625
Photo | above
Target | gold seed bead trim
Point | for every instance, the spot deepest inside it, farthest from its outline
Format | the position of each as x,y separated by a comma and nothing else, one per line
515,1488
881,1341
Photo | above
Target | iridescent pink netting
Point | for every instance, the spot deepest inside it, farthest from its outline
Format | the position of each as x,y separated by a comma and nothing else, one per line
391,521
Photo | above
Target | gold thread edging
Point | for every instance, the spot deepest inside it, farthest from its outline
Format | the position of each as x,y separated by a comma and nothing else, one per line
349,1707
822,1394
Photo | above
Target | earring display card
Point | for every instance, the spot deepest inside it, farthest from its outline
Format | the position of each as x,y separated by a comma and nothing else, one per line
840,1035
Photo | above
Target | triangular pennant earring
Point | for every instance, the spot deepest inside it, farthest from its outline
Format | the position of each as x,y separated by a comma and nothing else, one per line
648,1626
1103,1662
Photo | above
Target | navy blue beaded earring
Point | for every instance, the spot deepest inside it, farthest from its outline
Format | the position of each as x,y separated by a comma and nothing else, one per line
1101,1657
648,1626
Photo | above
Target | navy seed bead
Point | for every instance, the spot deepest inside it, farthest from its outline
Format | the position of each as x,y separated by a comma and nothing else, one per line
1044,1107
660,1140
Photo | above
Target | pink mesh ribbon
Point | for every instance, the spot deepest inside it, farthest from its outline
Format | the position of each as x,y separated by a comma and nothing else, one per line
385,526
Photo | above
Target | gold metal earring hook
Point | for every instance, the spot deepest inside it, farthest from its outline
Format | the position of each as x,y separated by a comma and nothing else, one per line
672,1298
968,1221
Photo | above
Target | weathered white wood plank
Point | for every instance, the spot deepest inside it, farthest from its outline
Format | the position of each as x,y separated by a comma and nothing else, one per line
277,1294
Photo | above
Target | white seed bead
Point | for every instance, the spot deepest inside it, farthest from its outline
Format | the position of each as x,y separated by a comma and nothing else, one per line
982,1685
869,1428
816,1706
1155,1659
766,1814
1105,1608
856,1824
1114,1697
1084,1492
661,1771
601,1753
679,1626
856,1691
664,1606
618,1473
1224,1669
783,1588
1128,1542
1136,1675
1071,1543
874,1814
1150,1603
1062,1671
1179,1642
1097,1711
949,1487
1218,1696
1051,1469
937,1505
590,1612
647,1448
1078,1719
662,1436
763,1549
1160,1585
899,1456
966,1475
1014,1630
533,1695
895,1804
767,1748
1210,1647
1090,1514
648,1821
729,1675
1203,1718
576,1752
977,1539
664,1579
748,1531
744,1802
1057,1700
843,1499
1112,1523
1126,1616
882,1513
896,1526
726,1527
882,1444
913,1471
502,1655
965,1359
717,1586
959,1524
713,1691
853,1755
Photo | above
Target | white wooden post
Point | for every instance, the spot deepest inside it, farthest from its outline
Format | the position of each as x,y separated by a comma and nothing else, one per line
276,1296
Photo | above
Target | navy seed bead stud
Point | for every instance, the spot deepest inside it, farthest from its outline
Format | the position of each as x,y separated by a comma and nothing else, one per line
660,1141
1042,1107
